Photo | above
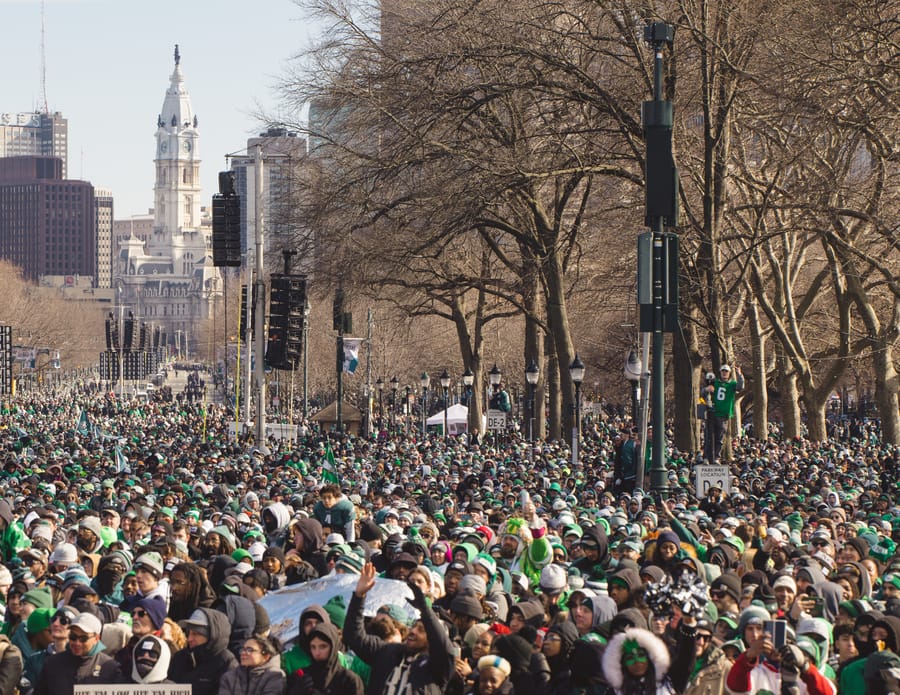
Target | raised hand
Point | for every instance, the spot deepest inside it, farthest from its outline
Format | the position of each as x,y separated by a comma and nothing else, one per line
366,580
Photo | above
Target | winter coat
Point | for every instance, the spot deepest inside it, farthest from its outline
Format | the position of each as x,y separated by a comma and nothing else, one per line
241,616
710,679
748,676
63,671
267,679
330,677
13,538
10,667
657,652
429,671
204,666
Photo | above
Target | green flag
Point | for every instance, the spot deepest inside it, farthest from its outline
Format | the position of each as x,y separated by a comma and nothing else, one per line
329,468
84,425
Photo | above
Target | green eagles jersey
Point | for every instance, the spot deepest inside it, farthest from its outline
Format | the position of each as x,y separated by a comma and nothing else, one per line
723,398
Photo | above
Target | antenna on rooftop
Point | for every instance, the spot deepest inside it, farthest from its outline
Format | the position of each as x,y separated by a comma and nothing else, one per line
44,106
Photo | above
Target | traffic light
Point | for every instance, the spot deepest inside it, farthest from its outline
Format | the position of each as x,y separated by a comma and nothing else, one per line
226,223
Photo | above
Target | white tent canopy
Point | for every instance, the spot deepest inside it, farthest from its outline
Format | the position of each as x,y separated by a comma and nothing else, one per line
457,419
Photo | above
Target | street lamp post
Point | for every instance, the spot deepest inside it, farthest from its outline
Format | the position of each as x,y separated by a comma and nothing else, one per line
395,384
576,371
445,385
468,379
633,372
407,417
379,385
532,374
306,309
424,382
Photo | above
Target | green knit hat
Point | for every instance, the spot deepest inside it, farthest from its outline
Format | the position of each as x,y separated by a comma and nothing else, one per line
336,608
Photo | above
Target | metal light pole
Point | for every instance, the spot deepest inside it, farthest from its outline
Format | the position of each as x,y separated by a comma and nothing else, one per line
445,384
395,384
306,309
532,375
424,382
379,385
260,328
576,371
633,372
659,310
407,416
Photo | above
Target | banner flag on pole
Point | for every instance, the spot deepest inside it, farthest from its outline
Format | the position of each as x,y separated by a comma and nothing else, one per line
84,425
351,354
329,468
121,462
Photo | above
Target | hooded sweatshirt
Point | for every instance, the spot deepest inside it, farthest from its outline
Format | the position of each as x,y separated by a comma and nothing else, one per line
12,537
265,679
159,672
329,677
203,666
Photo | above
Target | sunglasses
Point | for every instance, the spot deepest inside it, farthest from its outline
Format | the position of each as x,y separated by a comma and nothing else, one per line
703,637
718,594
139,612
62,617
819,543
81,638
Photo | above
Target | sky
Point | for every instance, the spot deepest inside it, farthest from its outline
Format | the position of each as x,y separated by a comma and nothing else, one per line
108,64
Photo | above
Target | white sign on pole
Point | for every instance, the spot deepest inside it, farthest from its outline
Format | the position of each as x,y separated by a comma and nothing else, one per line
706,477
496,420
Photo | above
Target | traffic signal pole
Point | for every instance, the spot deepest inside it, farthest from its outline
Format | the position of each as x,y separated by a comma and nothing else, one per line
259,325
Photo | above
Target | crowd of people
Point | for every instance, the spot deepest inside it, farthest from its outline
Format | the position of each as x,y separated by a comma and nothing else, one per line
141,545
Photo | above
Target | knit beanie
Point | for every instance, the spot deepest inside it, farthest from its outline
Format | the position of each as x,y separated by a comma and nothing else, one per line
336,608
39,620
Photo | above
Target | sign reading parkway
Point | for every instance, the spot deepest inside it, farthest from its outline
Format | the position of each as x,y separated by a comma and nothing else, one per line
711,476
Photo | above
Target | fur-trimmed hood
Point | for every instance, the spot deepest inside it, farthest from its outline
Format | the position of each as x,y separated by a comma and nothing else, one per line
655,648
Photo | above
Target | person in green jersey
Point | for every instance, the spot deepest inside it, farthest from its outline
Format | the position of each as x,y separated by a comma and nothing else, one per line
722,393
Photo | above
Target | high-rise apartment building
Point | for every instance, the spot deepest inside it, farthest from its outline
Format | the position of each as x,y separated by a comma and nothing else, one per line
103,209
281,151
47,223
37,134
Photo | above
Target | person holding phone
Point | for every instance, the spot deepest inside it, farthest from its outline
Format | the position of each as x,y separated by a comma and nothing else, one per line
765,667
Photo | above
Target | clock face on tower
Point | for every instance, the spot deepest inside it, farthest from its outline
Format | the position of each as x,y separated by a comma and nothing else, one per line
163,147
186,146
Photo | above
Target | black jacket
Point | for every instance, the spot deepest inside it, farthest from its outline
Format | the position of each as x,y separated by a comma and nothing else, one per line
204,666
430,671
63,671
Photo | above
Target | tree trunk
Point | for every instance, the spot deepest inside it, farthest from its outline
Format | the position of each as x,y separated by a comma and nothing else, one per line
757,373
686,370
552,386
558,325
815,416
790,397
886,386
